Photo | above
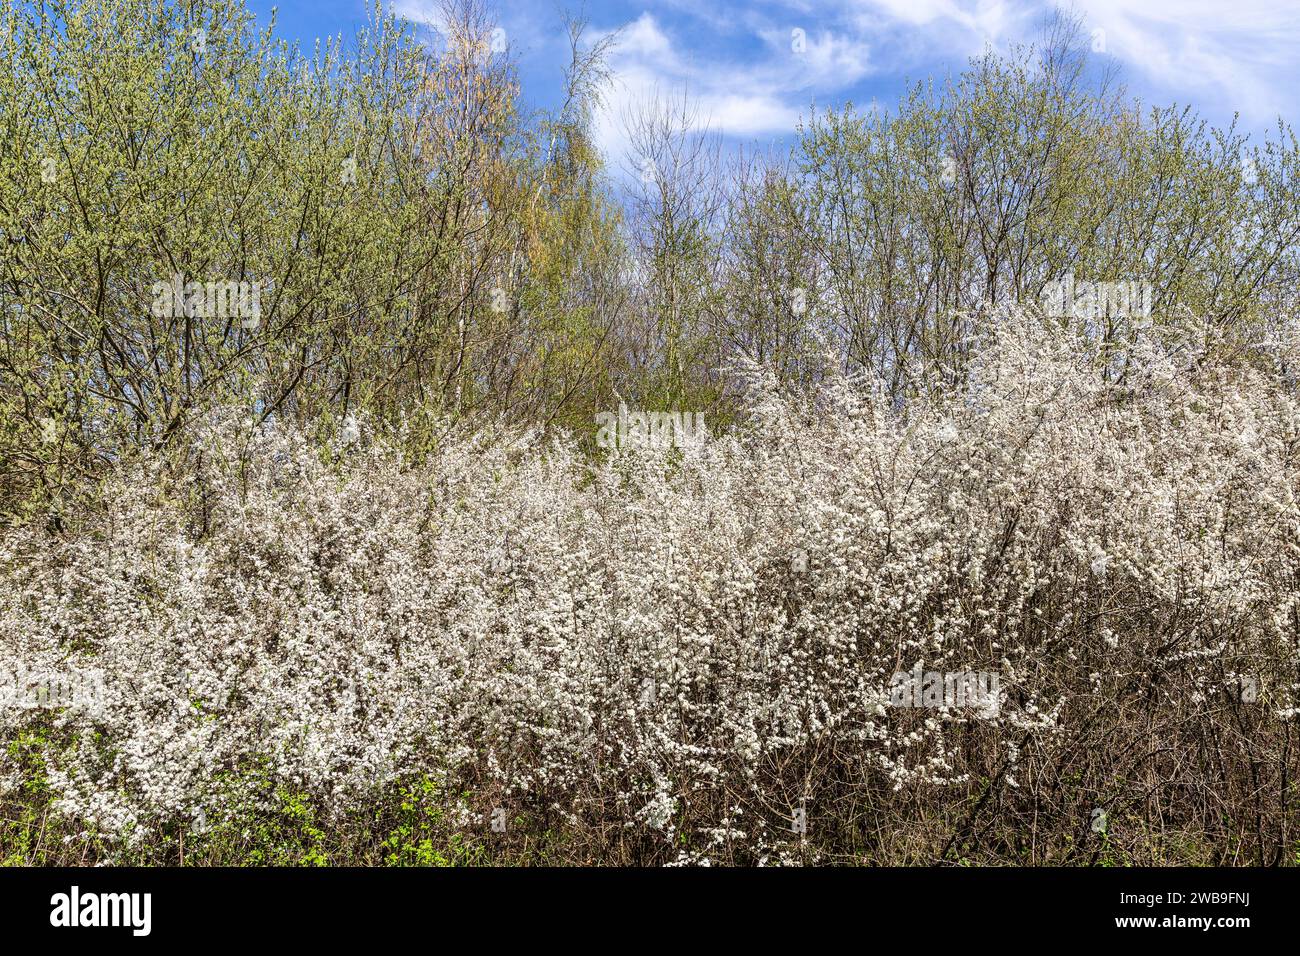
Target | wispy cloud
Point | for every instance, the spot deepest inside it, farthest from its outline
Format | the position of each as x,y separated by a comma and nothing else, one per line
758,92
754,68
1242,56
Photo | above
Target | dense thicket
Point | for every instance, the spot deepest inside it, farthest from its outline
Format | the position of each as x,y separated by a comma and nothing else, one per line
665,658
304,362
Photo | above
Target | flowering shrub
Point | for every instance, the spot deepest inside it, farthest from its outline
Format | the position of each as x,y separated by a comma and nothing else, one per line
685,654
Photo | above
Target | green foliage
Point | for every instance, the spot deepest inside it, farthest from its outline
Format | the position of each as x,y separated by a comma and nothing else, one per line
378,196
421,834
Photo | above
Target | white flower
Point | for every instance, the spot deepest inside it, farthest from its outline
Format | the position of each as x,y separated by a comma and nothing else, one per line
350,431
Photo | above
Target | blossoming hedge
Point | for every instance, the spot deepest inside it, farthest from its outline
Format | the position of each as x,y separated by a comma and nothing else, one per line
516,651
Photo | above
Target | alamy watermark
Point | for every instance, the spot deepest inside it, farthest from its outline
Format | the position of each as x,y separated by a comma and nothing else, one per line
46,689
130,910
1068,298
209,300
641,429
954,690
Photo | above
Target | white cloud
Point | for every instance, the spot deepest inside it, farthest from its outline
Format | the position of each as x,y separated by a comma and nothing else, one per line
763,95
1240,56
762,89
739,115
426,12
524,29
735,61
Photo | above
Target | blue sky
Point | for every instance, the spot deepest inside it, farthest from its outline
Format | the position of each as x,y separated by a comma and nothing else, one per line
740,62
